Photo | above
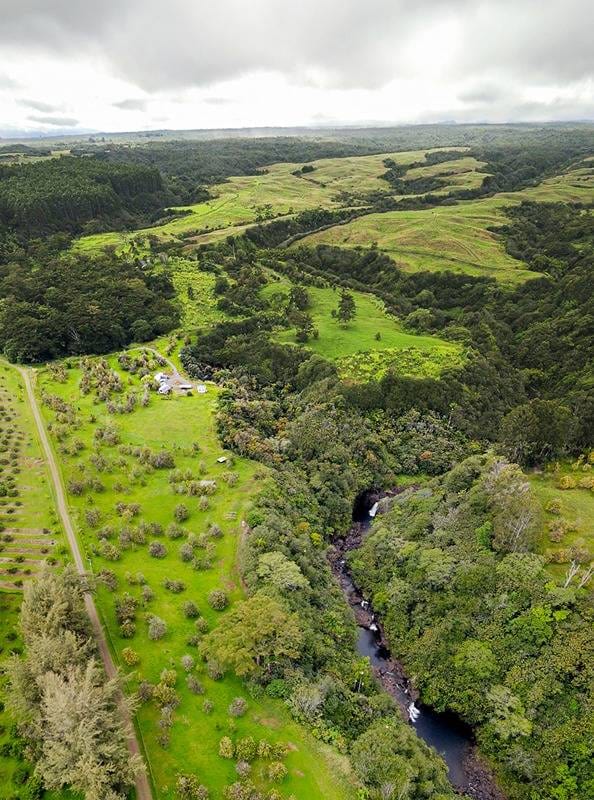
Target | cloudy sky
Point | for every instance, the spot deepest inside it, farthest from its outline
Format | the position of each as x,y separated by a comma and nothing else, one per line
120,65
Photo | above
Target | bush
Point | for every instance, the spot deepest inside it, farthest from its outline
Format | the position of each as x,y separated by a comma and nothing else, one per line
181,512
188,787
243,769
246,749
174,586
187,662
208,706
218,600
194,685
157,549
238,707
226,749
157,628
277,772
190,609
130,656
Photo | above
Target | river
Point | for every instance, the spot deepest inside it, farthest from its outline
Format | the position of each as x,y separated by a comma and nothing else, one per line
443,731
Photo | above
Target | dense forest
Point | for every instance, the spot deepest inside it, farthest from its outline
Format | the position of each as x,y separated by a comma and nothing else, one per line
64,193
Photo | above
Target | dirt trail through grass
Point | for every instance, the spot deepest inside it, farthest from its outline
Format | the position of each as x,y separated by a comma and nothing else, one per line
143,789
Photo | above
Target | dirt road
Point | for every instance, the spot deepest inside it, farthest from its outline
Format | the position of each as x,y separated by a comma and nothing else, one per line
143,789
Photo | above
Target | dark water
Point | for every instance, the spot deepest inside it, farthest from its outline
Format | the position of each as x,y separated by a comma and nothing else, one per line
445,732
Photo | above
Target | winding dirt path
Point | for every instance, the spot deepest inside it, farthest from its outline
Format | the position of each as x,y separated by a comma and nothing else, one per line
143,789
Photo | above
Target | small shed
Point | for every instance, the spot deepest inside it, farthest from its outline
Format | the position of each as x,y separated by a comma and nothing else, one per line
186,386
161,377
164,388
221,459
201,388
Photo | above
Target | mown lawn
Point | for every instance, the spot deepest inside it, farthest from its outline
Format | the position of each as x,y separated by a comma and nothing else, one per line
357,350
184,426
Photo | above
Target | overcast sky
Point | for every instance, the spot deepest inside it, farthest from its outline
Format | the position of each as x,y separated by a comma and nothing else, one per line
120,65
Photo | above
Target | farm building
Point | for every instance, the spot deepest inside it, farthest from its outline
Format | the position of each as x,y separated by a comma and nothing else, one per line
164,388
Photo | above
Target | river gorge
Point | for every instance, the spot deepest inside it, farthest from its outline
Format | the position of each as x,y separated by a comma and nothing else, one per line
445,732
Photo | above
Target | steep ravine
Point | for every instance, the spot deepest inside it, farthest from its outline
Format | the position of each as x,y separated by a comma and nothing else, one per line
445,732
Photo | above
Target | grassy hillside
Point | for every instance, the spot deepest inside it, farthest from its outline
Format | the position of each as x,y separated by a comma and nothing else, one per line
278,192
456,238
115,464
360,355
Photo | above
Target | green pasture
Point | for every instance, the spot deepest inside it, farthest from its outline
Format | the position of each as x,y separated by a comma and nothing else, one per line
455,238
274,192
185,426
360,355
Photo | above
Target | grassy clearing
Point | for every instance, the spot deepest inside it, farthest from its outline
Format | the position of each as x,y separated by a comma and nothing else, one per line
357,351
195,291
30,531
456,238
273,193
566,493
174,424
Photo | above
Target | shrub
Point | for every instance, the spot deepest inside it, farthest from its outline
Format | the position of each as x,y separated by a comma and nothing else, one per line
277,772
162,460
186,553
175,531
187,662
203,502
181,512
238,707
174,586
130,656
208,706
214,670
194,685
157,628
188,787
243,769
226,749
157,549
168,677
218,600
246,749
190,609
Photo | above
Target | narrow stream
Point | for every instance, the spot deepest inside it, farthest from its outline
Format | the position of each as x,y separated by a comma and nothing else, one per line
443,731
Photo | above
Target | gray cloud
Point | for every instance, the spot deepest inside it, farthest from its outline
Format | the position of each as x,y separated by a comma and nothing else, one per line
131,104
218,101
6,82
38,105
65,122
481,94
343,44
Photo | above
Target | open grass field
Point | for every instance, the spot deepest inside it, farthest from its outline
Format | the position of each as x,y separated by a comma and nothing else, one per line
455,238
358,353
122,501
277,192
566,493
30,531
194,289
